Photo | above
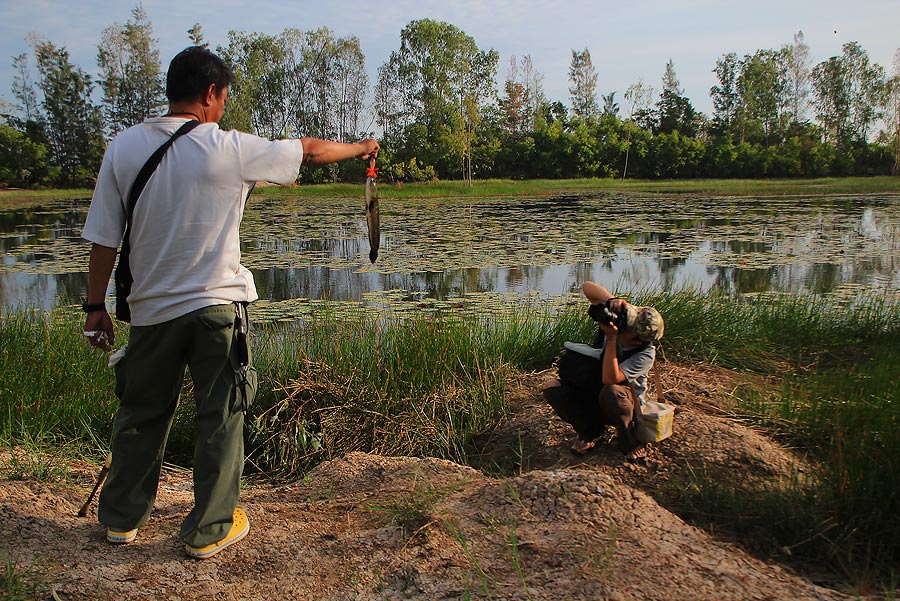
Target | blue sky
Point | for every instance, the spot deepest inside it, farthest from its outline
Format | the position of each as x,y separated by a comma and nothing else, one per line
628,41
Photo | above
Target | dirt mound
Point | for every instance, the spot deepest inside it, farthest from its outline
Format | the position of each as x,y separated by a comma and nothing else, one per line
370,527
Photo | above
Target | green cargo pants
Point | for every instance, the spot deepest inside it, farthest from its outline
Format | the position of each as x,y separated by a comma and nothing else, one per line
150,378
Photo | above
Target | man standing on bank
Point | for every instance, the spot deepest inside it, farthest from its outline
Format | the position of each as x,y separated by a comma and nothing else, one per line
189,288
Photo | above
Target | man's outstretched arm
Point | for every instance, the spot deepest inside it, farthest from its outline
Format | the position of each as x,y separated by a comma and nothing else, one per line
324,152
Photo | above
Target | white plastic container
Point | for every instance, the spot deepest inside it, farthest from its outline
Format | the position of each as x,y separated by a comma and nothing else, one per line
656,422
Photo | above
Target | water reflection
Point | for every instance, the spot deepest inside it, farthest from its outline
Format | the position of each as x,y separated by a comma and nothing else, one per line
445,248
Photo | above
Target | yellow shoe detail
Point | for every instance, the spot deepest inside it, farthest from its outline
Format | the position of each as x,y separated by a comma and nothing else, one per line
239,528
120,537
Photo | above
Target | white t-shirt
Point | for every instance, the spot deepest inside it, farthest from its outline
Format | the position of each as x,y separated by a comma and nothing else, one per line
185,249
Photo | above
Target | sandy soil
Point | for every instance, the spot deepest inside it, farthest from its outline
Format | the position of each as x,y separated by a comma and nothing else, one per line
370,527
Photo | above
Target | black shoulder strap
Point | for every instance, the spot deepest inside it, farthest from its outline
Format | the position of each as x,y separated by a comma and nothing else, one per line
124,278
150,166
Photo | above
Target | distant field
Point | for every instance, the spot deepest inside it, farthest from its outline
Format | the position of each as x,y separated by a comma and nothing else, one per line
725,187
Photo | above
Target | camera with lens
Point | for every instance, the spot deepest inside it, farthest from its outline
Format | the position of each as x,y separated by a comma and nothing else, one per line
603,314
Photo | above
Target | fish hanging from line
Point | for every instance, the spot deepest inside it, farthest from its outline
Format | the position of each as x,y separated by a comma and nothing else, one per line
373,218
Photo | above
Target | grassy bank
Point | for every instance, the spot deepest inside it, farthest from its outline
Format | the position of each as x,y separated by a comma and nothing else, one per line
718,187
478,188
429,384
833,395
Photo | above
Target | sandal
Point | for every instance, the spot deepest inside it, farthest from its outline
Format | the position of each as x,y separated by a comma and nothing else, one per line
582,447
637,455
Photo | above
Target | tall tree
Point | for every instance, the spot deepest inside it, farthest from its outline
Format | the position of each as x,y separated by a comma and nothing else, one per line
638,97
850,93
387,103
799,66
670,82
832,99
762,84
892,112
515,105
520,106
674,110
73,124
296,83
725,97
583,90
130,74
350,87
259,99
866,81
610,106
438,71
534,89
23,88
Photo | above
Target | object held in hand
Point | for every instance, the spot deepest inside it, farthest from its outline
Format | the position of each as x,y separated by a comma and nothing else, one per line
117,356
373,216
91,333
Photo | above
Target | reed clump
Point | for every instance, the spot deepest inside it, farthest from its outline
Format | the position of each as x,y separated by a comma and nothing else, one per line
417,386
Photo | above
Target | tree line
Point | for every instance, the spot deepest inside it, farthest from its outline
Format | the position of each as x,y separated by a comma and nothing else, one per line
439,114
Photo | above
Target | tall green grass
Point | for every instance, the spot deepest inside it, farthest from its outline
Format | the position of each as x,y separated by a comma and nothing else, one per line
834,396
417,386
54,389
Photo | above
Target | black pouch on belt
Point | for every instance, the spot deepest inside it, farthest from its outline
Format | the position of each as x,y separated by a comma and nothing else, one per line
245,373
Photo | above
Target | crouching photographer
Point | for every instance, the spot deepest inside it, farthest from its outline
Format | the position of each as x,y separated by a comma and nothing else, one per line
598,384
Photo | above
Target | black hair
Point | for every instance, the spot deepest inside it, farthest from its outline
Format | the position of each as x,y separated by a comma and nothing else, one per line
192,71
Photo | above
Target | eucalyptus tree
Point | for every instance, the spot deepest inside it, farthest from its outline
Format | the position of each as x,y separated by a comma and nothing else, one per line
534,90
762,84
867,83
295,83
259,95
832,99
388,105
892,112
442,82
23,88
130,75
638,97
726,99
849,95
799,66
583,90
523,97
71,123
350,85
516,116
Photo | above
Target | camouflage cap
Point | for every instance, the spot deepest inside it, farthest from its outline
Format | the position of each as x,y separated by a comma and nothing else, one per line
646,322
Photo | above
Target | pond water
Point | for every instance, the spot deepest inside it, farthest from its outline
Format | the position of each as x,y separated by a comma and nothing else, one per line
436,250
